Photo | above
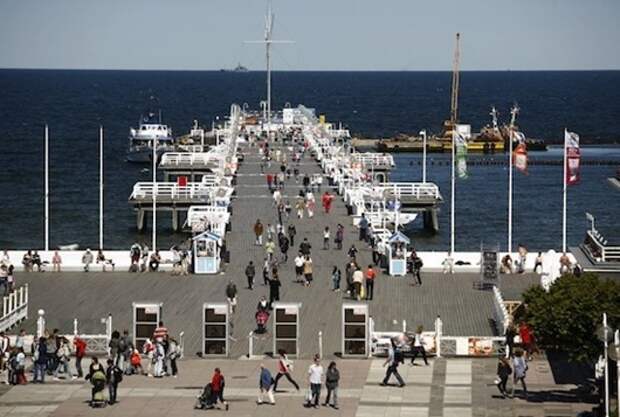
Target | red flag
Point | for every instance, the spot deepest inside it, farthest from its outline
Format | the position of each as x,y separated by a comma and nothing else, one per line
572,157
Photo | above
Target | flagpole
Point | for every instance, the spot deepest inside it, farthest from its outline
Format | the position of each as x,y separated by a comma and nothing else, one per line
564,199
510,193
154,157
453,188
101,187
47,190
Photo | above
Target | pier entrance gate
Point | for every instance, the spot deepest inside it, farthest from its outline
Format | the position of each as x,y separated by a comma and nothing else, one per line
354,330
146,316
215,330
286,328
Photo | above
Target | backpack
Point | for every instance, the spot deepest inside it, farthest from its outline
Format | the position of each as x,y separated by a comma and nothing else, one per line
122,345
398,356
118,374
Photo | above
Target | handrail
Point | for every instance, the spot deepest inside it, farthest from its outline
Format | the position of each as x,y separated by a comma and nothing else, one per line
14,308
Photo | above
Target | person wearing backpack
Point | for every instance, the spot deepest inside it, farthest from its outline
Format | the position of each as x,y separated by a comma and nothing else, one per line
285,367
114,376
393,360
124,351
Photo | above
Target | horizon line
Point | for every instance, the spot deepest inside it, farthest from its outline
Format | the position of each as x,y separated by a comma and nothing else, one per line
227,70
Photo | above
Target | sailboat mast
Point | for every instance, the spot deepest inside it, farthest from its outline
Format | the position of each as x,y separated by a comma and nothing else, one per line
454,105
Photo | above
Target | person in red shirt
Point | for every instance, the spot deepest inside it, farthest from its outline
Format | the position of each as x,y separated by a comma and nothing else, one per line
80,352
327,201
269,181
217,387
370,282
527,339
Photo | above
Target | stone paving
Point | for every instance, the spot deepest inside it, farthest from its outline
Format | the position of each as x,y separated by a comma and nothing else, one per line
446,387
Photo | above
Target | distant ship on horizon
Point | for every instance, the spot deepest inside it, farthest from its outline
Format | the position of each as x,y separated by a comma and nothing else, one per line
238,68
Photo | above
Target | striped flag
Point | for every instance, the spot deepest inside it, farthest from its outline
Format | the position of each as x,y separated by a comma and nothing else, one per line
572,156
461,155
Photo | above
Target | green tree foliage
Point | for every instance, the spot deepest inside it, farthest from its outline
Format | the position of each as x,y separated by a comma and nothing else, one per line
567,317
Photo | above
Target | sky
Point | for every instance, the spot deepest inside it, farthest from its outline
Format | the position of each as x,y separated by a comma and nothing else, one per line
396,35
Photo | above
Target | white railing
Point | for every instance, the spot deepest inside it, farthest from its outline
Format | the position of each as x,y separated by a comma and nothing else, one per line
413,189
369,159
501,316
199,218
191,159
174,191
607,253
14,308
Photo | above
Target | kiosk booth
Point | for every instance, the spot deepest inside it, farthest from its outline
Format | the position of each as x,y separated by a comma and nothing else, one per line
397,254
207,247
286,328
354,330
215,329
146,316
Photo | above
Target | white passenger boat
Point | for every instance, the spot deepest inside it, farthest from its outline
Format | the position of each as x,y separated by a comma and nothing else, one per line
150,128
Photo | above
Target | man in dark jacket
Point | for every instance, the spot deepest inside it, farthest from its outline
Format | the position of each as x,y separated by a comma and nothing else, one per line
114,376
250,271
305,247
40,361
231,294
284,246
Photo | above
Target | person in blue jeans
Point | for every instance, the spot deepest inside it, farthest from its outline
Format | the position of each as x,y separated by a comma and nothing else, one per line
40,361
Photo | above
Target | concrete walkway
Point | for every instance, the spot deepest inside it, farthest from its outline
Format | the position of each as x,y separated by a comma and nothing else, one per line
450,388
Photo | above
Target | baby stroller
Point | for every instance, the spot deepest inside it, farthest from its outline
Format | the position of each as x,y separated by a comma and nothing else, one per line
262,316
205,400
98,399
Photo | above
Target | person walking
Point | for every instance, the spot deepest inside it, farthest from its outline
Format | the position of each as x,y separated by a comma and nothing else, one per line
284,246
300,206
370,276
40,361
217,388
308,271
285,367
174,352
265,385
520,369
305,247
291,231
326,200
503,372
270,248
416,265
274,288
231,295
258,232
315,376
358,281
114,376
299,266
336,276
339,236
393,360
250,272
417,346
332,377
326,236
266,266
363,225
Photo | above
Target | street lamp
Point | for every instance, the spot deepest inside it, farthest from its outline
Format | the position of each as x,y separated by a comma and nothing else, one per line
423,134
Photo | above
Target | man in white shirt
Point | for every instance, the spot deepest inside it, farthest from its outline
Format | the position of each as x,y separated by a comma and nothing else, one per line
299,267
315,375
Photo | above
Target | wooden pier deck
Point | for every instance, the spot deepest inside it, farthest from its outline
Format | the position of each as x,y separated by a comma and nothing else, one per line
464,309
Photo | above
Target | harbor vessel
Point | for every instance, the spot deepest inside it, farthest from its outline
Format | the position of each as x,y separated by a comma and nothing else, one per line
150,128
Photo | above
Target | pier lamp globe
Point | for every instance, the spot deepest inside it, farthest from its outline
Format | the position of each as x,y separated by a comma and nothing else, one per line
41,312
